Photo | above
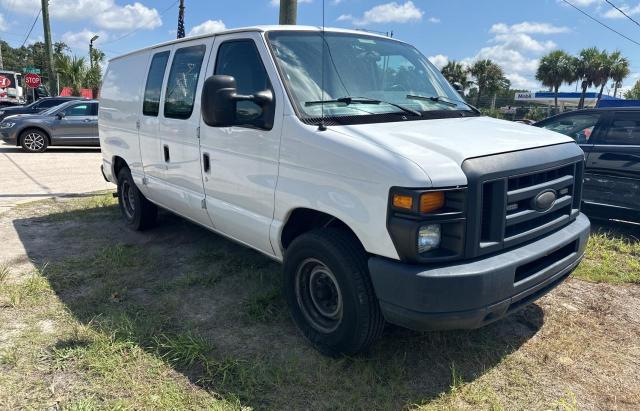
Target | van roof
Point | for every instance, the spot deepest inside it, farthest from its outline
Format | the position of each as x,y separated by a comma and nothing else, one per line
261,29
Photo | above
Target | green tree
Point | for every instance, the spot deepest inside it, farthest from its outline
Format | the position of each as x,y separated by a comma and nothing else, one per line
555,68
93,78
456,73
73,72
634,92
587,70
489,78
619,70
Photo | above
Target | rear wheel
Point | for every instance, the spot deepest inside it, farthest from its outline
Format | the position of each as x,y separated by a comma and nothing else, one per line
138,212
34,141
329,292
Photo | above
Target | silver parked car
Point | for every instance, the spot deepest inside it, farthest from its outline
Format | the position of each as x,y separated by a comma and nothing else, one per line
74,123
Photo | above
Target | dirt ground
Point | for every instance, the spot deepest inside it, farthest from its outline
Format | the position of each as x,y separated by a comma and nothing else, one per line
180,305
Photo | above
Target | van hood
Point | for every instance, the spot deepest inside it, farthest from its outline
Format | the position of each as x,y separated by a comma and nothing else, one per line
440,146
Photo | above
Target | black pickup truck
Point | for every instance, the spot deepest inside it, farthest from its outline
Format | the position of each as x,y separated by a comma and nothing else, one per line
610,139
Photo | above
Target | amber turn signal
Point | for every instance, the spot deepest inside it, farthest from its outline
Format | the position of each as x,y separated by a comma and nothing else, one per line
431,201
403,201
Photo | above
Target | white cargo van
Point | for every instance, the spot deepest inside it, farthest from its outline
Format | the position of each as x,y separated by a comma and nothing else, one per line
386,197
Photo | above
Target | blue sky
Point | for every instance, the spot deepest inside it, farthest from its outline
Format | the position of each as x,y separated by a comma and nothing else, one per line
514,33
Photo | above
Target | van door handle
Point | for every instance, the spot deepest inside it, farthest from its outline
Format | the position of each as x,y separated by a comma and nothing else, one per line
167,158
206,163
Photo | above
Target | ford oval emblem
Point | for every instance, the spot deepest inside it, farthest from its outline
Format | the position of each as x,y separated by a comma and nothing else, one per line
544,200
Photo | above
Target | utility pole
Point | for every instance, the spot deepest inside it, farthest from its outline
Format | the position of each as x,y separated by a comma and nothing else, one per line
94,38
288,11
1,61
47,44
180,30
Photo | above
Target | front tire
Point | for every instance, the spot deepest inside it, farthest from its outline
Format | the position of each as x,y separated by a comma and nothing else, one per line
138,212
34,141
329,292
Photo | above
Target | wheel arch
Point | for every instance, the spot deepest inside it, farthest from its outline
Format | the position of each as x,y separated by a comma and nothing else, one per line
302,220
27,128
117,164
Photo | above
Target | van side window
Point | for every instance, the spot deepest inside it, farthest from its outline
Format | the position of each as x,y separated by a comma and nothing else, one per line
183,81
240,59
624,130
151,104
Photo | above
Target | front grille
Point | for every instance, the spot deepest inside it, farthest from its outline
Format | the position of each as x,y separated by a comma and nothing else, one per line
508,213
505,187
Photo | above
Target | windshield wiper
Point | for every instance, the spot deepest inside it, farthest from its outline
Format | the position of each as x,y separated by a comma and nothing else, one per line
364,100
443,99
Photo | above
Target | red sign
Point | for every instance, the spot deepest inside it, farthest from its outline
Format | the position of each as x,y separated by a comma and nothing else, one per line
32,80
4,82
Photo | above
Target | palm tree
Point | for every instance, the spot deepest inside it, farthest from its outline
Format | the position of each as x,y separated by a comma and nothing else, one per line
619,70
73,72
603,72
555,68
587,69
489,77
456,74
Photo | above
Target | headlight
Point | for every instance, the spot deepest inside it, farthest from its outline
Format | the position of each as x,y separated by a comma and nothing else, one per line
1,112
7,124
427,225
428,237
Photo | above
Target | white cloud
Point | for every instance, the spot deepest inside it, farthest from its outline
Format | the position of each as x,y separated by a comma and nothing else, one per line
131,16
81,39
433,20
209,26
387,13
581,2
524,42
527,28
439,60
615,14
4,26
106,14
516,51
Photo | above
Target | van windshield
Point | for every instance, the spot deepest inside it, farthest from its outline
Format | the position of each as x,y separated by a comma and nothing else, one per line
364,76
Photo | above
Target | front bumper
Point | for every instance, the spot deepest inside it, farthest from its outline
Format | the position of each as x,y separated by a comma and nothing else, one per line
471,294
8,137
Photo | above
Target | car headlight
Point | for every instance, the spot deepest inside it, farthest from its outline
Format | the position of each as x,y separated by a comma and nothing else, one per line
429,237
7,124
427,225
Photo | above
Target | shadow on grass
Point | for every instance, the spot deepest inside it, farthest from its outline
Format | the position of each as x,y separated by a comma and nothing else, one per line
213,310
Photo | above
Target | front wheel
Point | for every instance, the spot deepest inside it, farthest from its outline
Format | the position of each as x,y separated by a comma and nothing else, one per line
329,292
34,141
138,212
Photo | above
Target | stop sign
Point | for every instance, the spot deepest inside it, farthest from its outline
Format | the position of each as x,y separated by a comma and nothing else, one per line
4,82
32,80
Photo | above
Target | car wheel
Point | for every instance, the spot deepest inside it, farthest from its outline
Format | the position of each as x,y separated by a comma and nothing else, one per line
329,292
34,141
138,212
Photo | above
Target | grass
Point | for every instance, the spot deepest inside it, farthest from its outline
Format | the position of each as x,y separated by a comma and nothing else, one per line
611,258
178,318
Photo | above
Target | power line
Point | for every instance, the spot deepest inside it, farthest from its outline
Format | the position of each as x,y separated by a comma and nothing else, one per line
31,29
623,12
601,23
139,28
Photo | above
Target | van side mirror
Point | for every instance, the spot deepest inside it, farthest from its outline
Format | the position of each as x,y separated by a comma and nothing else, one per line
458,88
220,97
60,115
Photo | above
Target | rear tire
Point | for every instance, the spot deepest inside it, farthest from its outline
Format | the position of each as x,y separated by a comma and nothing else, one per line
138,212
34,141
329,292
